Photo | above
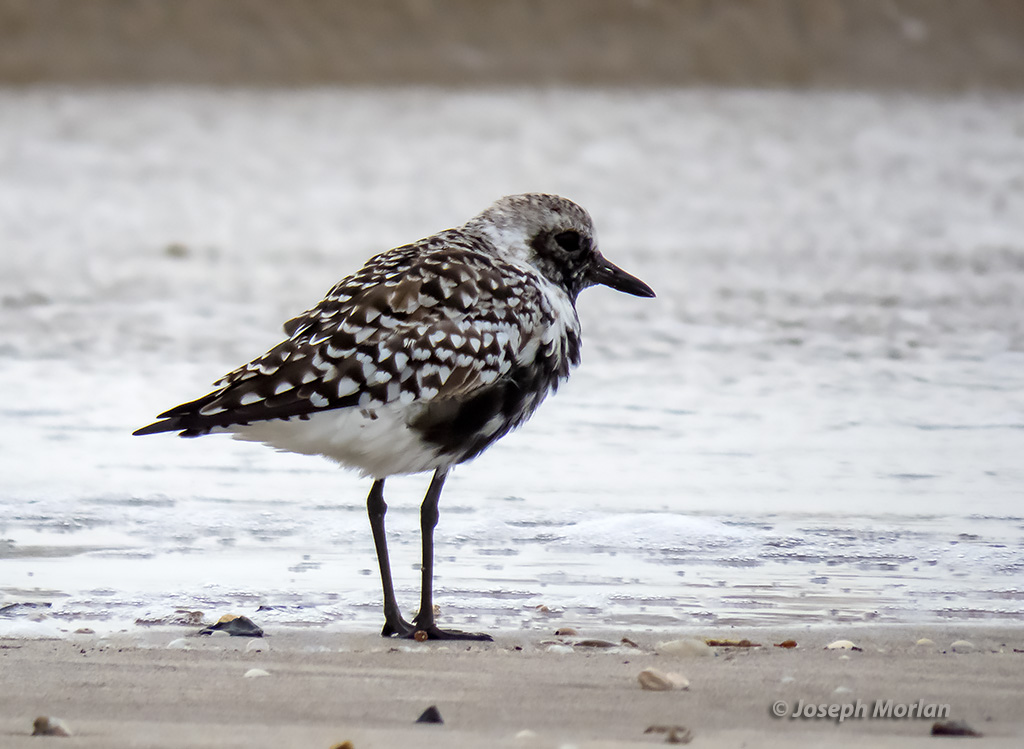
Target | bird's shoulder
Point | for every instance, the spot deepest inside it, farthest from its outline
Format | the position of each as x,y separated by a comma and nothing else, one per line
444,276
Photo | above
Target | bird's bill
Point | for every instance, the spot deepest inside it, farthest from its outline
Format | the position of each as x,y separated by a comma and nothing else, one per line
610,275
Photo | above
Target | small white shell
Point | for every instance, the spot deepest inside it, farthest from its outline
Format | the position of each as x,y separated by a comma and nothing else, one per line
841,645
686,647
962,646
924,642
257,644
654,680
46,726
180,644
254,673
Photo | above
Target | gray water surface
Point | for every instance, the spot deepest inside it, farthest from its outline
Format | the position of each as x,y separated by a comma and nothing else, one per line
819,419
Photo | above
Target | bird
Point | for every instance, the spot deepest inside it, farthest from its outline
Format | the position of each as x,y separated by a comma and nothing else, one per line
420,361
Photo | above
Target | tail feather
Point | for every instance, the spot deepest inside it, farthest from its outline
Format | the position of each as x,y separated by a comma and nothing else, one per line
185,417
166,425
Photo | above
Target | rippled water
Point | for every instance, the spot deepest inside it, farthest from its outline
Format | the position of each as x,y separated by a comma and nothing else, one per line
821,417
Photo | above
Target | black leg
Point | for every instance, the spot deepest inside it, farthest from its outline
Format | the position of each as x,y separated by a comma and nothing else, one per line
428,521
376,508
424,620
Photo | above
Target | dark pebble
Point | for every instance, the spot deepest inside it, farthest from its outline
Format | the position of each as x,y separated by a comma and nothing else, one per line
240,626
953,728
430,715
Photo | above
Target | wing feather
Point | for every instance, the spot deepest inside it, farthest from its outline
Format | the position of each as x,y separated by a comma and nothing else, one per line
421,323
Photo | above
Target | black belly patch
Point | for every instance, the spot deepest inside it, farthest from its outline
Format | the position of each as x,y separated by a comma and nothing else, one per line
464,428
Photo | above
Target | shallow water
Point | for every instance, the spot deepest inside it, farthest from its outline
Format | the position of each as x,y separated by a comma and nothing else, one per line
820,419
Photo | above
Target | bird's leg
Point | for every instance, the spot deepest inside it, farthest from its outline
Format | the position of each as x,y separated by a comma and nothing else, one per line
376,508
424,620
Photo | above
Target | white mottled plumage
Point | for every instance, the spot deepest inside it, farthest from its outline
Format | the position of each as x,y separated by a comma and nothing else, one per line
424,357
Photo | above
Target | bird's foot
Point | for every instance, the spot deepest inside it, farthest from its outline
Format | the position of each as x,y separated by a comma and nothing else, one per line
398,628
433,632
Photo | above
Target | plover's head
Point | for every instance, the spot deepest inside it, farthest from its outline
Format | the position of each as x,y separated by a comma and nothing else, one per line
557,237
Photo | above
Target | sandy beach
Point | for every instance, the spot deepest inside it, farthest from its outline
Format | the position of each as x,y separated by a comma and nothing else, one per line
522,690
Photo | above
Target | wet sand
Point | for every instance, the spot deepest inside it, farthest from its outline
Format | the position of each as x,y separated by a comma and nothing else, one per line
326,689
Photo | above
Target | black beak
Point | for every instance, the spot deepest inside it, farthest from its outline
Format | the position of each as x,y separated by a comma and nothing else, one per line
605,273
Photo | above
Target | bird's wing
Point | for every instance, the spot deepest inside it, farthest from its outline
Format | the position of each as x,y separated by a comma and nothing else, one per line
411,326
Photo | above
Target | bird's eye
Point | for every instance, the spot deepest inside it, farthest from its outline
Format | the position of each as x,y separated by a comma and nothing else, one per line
570,241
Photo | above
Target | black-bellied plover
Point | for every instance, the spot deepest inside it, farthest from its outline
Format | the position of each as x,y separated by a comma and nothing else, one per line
421,360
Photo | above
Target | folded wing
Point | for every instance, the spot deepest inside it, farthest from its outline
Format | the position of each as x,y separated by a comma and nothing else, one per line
413,326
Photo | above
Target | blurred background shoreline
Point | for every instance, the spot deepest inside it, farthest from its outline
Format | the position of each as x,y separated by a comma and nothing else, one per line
918,45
